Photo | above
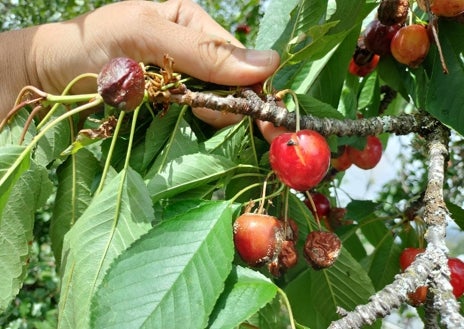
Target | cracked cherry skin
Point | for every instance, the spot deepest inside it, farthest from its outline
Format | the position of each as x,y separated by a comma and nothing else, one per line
300,159
256,238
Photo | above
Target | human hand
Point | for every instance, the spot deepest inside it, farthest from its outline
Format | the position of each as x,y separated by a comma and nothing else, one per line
145,31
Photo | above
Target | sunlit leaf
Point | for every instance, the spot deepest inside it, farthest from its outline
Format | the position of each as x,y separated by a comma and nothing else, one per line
115,218
16,225
172,276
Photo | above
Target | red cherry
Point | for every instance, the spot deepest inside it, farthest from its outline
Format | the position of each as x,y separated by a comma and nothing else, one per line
377,36
363,70
368,157
243,28
321,203
256,238
121,83
446,8
410,45
457,276
342,162
407,256
300,159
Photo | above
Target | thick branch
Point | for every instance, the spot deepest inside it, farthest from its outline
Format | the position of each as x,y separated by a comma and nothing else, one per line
250,104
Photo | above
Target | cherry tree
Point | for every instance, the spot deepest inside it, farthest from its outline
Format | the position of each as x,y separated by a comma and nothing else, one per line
160,221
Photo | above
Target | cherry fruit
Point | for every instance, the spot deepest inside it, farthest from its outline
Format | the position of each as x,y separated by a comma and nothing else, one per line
378,37
121,83
410,45
392,12
407,256
321,203
300,159
322,249
256,238
368,157
363,70
456,267
342,162
446,8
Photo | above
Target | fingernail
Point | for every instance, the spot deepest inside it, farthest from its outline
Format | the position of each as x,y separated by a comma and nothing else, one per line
260,57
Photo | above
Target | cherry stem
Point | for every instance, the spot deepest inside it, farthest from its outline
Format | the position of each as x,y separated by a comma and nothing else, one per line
289,307
313,206
37,137
110,152
28,122
292,93
263,194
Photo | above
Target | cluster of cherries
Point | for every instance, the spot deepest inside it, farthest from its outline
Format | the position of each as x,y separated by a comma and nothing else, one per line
388,34
455,265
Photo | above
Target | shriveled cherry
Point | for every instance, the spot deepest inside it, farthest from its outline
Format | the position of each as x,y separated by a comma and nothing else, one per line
392,12
121,83
446,8
410,45
300,159
368,157
321,203
257,238
456,267
341,162
322,249
377,36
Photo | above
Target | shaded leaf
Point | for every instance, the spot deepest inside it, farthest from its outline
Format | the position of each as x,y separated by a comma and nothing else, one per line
29,193
14,160
188,172
166,279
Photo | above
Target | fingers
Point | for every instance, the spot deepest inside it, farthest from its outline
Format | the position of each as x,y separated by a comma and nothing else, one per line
270,131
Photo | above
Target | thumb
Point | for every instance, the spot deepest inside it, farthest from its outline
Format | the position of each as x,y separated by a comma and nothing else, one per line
215,59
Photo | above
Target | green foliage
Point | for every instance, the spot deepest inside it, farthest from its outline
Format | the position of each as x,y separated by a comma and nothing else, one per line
142,232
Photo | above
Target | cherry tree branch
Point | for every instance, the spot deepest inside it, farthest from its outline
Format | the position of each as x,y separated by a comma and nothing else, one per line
252,105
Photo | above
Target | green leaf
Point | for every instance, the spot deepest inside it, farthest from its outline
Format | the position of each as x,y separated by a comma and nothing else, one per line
29,193
182,142
188,172
246,291
228,142
172,276
116,217
315,295
442,100
11,133
313,106
274,27
156,136
55,141
457,213
76,178
11,168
